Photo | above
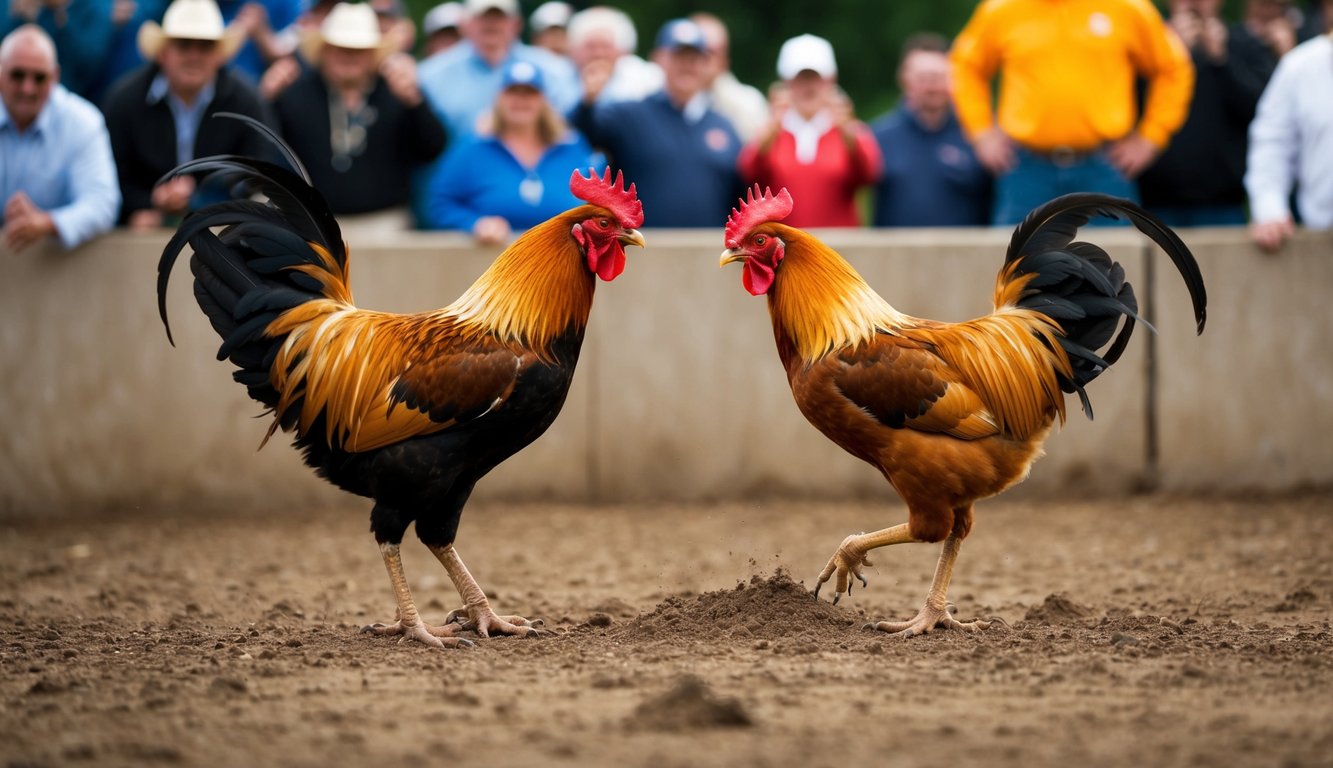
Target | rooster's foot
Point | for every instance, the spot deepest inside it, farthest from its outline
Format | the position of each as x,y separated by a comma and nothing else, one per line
845,563
927,620
484,622
435,637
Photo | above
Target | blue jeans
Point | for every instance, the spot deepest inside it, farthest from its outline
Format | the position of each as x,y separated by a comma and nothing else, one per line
1036,179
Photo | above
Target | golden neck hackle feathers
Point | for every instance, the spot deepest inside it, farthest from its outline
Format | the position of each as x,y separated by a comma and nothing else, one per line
820,303
535,291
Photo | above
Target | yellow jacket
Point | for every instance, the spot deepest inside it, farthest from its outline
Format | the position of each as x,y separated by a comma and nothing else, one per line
1068,69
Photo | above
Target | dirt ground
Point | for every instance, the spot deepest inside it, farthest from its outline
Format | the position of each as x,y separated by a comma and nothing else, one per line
1146,631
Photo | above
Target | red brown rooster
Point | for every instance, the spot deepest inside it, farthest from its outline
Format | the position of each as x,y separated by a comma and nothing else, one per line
949,412
409,410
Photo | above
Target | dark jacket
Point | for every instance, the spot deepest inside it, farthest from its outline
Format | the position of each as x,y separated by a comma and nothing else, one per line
143,135
398,139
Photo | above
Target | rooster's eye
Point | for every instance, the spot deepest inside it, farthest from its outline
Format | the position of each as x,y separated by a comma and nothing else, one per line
760,240
604,223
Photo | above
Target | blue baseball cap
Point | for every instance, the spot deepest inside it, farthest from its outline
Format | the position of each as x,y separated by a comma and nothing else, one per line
522,73
681,33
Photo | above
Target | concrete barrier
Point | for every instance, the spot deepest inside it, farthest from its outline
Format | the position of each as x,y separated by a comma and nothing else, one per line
679,395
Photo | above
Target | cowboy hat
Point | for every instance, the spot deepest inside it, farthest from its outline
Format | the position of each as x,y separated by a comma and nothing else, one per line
190,20
348,25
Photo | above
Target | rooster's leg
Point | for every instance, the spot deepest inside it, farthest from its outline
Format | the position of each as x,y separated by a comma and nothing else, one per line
476,607
851,557
935,613
409,623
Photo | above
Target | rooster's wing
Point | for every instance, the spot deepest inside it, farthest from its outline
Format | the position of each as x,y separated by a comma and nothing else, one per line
373,379
904,384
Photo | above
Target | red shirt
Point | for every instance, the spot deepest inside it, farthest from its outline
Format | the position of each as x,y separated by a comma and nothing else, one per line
824,191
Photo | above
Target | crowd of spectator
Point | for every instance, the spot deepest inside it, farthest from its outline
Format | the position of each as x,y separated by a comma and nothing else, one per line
466,126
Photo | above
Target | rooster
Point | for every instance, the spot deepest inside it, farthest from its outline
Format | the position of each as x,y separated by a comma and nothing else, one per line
949,412
410,410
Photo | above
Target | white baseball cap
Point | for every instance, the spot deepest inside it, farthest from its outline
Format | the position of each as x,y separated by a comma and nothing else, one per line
478,7
806,52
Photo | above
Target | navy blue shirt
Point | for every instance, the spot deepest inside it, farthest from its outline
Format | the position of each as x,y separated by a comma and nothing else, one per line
931,178
685,171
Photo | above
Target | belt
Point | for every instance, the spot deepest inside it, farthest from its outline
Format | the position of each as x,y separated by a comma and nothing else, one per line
1065,156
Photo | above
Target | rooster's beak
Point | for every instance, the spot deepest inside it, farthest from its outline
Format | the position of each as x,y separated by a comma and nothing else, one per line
632,237
730,255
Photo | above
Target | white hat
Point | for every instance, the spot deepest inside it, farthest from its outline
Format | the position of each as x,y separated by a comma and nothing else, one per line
443,16
806,52
189,20
348,25
478,7
552,14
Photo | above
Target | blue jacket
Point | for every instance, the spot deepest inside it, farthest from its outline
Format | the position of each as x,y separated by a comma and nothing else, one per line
482,178
931,178
685,172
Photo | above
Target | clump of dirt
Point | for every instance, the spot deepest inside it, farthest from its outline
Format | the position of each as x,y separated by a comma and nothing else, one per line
767,608
688,705
1057,609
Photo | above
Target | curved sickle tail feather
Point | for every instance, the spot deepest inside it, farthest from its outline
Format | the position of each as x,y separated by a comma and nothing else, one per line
269,257
1080,287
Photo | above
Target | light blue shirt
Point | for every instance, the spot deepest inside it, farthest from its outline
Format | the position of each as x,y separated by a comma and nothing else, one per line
461,86
63,163
187,117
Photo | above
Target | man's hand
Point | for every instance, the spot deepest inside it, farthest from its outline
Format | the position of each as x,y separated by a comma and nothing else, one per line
25,223
995,151
596,74
490,230
279,75
1132,155
1269,235
173,196
400,74
145,220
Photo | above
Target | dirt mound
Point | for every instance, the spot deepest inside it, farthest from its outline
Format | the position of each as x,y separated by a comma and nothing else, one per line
768,608
1057,609
687,705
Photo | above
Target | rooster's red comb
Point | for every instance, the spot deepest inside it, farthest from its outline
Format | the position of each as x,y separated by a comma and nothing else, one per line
613,196
755,211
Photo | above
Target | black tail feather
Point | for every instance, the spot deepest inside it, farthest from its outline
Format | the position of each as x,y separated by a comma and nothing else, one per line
1080,287
244,274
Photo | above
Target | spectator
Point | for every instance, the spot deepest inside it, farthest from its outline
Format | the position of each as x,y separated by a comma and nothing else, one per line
1067,106
744,105
931,177
1315,19
442,28
396,28
519,177
57,176
604,37
126,18
813,145
1291,146
462,83
83,32
262,22
1229,76
358,119
680,153
158,114
1273,24
549,27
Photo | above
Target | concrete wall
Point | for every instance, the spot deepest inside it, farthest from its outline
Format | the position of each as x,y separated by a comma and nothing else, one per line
679,394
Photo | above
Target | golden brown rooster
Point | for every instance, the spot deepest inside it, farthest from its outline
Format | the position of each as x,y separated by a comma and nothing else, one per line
409,410
949,412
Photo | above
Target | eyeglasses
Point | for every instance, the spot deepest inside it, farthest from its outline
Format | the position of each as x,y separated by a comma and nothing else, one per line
37,77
